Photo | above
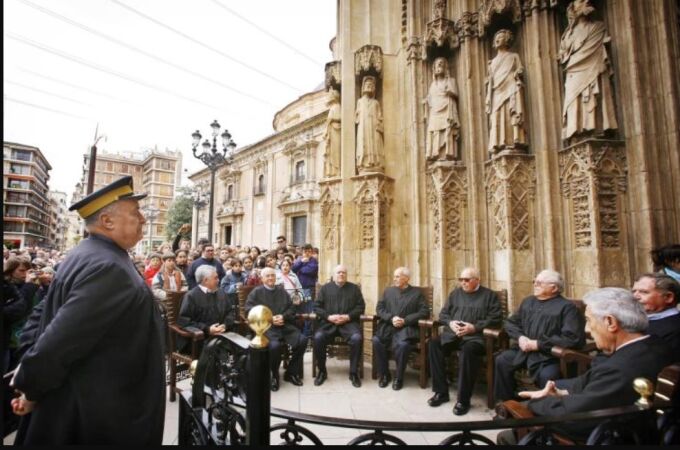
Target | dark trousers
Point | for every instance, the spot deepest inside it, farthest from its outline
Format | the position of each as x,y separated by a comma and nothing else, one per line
400,350
504,375
321,340
295,363
469,357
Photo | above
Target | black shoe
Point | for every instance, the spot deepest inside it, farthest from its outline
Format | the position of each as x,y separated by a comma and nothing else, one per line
437,399
294,379
397,384
460,409
275,383
320,378
384,380
354,378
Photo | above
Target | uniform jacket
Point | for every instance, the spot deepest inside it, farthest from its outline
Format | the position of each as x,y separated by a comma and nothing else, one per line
409,304
97,368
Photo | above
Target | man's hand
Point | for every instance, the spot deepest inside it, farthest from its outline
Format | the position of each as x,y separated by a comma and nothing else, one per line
397,322
217,328
278,320
461,328
21,405
527,345
548,391
185,228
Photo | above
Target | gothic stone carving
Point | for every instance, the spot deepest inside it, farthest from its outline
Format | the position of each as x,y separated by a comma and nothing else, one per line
330,214
510,188
530,6
369,121
491,8
442,121
372,198
468,26
441,33
368,60
333,75
505,97
414,49
447,198
588,92
598,167
331,137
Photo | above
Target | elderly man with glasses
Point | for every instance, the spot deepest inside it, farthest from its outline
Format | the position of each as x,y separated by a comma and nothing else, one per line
543,320
469,309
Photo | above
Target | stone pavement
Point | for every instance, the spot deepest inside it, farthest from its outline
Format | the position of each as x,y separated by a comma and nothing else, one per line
338,398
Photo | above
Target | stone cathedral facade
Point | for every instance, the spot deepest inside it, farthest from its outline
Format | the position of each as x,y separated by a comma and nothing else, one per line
511,135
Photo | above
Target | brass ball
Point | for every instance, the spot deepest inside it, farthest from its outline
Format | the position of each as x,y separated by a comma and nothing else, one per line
260,319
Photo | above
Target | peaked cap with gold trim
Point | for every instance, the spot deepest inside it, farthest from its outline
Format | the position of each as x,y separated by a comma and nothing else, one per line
118,190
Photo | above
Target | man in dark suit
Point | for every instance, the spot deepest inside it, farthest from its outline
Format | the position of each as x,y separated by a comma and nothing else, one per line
543,320
658,294
617,323
399,310
339,306
206,307
207,257
469,309
283,330
95,371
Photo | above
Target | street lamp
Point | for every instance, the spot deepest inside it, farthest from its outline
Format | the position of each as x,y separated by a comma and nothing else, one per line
211,157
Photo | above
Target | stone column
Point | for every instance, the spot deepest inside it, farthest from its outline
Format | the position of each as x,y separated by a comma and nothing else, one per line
331,242
510,190
593,180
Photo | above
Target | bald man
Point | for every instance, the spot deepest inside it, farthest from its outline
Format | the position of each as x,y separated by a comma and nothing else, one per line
339,306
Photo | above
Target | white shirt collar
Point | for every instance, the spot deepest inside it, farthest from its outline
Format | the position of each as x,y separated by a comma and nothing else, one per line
663,314
206,290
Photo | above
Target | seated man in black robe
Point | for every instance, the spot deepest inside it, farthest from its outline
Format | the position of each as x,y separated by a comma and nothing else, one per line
469,309
617,323
339,306
283,330
206,307
658,294
399,310
543,320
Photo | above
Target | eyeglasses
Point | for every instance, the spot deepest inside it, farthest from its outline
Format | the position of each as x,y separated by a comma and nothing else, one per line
541,282
466,280
281,241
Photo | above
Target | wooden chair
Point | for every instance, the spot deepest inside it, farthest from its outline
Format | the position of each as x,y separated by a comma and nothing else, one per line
493,340
338,347
172,303
570,363
418,357
667,384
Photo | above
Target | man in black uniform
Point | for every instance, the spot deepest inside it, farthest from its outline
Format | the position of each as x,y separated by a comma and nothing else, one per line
617,323
283,331
399,309
95,373
543,320
469,309
339,307
206,306
659,294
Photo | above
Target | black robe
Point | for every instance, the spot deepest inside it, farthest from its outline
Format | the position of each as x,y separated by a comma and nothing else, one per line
480,308
201,310
606,385
96,369
334,299
668,329
278,301
551,322
409,304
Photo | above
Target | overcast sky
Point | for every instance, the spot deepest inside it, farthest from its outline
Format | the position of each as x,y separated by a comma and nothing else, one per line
151,72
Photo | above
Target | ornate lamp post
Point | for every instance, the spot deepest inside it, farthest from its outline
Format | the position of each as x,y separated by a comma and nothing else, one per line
211,157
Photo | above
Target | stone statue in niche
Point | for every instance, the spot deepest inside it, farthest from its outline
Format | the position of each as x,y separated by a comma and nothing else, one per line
439,9
442,118
369,120
588,91
331,152
505,96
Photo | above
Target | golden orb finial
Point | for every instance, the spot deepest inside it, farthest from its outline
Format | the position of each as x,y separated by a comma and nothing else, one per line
645,388
259,320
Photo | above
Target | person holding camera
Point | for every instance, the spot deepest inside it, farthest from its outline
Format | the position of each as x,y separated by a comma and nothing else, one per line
469,309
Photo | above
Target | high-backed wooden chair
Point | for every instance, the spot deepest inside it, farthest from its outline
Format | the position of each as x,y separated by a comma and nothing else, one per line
242,292
172,303
666,389
337,347
498,341
493,341
418,357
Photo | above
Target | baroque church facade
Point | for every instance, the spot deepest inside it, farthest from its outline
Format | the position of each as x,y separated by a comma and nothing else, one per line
510,135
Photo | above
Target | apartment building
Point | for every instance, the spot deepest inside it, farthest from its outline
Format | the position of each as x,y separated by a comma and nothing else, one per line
155,172
59,220
26,203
